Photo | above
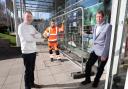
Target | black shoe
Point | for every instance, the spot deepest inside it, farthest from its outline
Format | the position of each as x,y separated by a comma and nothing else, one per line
52,60
86,82
26,87
36,86
95,84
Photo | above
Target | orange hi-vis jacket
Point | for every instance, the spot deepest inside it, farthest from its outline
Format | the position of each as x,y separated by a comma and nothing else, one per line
53,32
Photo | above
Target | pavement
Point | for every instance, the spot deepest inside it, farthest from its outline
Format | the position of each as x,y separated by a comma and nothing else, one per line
51,75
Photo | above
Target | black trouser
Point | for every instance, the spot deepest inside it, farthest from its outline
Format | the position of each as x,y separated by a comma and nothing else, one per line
29,63
91,61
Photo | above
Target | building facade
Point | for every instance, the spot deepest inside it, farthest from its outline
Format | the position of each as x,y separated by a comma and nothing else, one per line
116,13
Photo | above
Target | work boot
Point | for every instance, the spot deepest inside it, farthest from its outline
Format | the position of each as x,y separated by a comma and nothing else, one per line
36,86
26,87
87,81
95,83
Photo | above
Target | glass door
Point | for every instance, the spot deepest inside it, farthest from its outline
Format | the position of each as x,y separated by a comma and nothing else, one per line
118,61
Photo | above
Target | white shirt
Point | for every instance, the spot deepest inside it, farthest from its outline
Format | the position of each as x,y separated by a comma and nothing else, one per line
98,28
27,40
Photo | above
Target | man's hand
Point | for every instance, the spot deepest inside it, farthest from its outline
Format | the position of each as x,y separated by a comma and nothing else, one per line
103,58
48,34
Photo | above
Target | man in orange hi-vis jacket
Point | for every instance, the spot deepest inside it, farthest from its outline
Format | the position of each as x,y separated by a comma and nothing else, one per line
51,33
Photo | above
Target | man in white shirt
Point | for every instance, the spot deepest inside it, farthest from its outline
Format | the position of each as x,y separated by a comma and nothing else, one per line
28,37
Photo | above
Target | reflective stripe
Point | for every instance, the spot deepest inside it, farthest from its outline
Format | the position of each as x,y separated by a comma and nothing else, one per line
52,34
53,40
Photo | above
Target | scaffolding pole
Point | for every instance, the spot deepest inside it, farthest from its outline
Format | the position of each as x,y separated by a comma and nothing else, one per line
16,23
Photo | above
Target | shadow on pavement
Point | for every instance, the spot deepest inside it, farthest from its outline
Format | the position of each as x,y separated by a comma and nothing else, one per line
76,85
9,53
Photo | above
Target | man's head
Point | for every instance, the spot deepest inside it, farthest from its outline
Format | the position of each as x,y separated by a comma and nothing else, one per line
99,17
52,23
27,17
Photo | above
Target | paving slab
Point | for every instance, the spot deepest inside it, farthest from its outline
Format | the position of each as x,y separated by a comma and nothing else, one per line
51,75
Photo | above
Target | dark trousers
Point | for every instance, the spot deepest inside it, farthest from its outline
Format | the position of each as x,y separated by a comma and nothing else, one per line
29,63
91,61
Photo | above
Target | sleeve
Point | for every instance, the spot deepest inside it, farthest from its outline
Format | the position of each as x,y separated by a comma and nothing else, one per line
107,42
37,34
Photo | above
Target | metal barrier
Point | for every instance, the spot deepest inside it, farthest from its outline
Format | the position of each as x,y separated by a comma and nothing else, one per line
73,39
74,25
